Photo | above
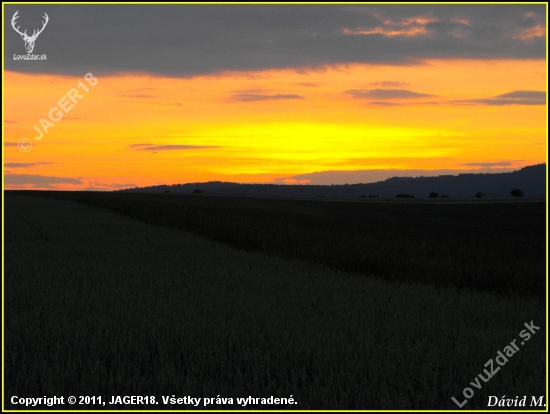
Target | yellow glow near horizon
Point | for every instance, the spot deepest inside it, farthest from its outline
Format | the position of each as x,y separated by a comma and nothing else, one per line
268,125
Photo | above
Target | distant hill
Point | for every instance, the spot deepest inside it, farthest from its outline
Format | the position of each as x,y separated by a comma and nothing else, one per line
531,180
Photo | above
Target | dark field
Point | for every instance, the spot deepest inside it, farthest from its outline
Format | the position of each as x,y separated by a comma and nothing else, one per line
378,312
488,246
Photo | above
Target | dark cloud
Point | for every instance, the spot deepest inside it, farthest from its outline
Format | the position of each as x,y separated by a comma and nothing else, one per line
189,40
370,176
24,164
500,102
511,98
386,94
38,180
252,97
118,185
523,95
153,147
94,185
382,103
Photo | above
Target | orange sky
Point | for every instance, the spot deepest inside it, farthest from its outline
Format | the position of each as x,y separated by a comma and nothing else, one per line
268,125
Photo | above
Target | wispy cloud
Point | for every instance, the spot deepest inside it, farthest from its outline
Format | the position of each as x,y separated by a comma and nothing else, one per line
95,185
490,164
154,147
523,95
408,27
531,33
386,94
24,164
374,175
461,21
252,97
511,98
38,180
382,103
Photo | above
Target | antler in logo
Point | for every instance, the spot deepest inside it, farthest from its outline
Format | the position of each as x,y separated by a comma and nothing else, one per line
29,40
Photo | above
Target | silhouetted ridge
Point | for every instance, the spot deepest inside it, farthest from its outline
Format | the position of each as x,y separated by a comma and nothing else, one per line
531,180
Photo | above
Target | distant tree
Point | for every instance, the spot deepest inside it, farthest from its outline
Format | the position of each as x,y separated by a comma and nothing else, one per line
362,196
198,191
433,194
444,196
374,196
516,192
479,194
167,192
400,195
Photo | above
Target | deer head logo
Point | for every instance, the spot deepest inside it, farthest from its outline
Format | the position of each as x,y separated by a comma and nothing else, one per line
29,40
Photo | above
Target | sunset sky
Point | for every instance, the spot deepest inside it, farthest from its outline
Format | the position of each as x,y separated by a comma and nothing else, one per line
270,93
